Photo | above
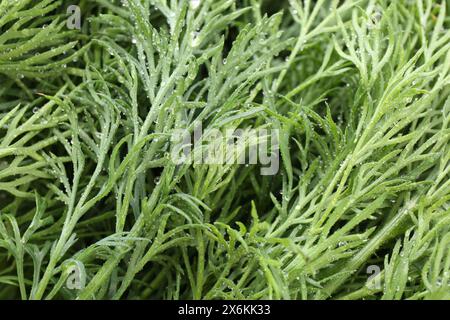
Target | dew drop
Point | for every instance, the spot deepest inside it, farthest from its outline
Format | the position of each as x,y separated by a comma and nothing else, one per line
342,243
195,42
195,4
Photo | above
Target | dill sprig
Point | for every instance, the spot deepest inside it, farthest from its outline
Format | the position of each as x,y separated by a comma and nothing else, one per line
358,91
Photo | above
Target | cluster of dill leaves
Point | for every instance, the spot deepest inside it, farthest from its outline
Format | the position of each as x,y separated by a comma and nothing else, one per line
358,90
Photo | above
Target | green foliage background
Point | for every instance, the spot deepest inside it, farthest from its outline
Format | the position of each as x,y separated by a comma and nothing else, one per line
358,89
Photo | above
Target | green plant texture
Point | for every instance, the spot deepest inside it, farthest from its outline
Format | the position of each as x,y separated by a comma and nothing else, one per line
92,207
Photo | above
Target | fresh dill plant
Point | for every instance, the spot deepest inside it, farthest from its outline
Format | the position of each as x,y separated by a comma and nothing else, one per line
92,207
